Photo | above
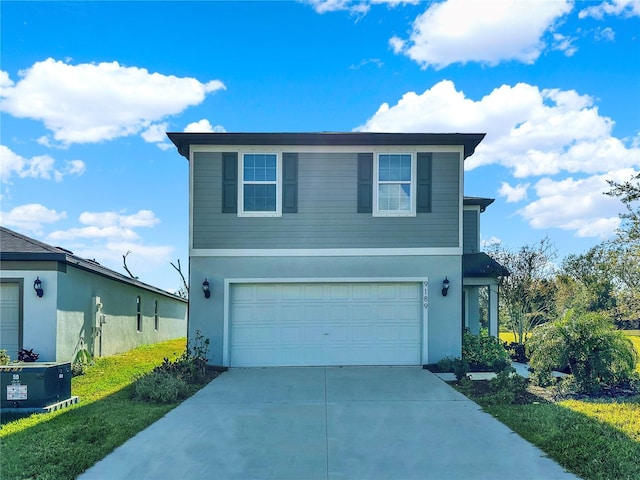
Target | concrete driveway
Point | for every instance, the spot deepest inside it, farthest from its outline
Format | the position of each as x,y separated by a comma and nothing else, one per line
396,423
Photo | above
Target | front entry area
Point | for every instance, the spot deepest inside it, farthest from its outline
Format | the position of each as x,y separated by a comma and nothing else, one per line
324,324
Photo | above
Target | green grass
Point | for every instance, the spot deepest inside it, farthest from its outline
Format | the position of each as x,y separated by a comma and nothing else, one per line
63,444
594,438
591,447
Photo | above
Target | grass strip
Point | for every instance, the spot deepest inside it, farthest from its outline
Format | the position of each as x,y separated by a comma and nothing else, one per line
596,439
63,444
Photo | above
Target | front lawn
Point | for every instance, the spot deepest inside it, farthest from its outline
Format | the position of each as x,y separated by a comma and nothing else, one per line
63,444
595,438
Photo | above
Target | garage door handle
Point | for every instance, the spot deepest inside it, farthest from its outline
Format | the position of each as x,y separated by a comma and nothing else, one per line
325,334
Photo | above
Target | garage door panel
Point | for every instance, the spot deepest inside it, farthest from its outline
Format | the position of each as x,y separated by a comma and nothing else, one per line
326,324
10,318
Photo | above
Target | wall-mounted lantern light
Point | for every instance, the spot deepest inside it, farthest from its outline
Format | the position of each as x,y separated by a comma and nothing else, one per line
205,288
37,286
445,286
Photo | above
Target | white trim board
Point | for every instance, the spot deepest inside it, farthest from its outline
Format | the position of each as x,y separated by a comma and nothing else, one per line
193,148
324,252
423,282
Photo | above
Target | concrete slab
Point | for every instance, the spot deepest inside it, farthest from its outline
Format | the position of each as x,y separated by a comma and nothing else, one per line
330,424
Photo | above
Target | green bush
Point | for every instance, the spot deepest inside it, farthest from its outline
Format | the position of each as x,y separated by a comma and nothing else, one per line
485,353
160,387
4,358
171,381
588,345
191,366
505,389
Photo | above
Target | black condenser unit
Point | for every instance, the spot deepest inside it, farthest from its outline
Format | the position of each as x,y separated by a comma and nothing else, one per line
34,385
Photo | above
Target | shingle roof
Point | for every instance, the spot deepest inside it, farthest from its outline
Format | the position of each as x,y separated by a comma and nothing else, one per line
482,202
182,140
17,247
482,265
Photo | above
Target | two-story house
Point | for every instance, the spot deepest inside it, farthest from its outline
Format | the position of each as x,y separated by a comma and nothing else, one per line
333,248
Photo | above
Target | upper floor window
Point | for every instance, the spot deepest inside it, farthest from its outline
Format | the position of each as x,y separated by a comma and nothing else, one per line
395,185
261,188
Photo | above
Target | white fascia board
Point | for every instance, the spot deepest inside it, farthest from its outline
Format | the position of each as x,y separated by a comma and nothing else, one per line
325,252
461,200
327,148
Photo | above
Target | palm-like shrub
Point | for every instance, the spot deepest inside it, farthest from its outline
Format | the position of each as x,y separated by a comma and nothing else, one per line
588,344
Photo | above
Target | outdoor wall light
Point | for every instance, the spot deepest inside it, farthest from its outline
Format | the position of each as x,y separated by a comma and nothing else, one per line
205,288
37,286
445,286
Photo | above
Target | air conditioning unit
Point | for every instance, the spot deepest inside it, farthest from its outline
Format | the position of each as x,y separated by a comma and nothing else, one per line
36,385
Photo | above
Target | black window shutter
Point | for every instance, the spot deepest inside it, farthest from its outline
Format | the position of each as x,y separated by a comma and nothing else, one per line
365,182
423,201
229,183
289,183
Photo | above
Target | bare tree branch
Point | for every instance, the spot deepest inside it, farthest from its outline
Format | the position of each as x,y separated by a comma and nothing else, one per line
184,281
124,261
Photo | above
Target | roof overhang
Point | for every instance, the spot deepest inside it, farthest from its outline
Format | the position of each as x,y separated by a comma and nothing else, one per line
481,265
183,140
482,202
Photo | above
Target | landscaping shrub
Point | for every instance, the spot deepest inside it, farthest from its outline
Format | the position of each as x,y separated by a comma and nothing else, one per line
505,389
160,387
517,352
588,344
170,381
4,357
484,353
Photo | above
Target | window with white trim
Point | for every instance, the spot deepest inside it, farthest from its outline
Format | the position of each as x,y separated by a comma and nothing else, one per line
261,186
395,185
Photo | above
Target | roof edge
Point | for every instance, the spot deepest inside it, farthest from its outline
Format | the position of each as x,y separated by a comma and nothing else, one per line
182,140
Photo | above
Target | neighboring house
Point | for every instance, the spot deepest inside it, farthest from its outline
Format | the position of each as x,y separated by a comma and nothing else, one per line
333,248
79,304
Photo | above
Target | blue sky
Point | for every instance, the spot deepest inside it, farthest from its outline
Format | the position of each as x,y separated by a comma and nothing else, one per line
88,90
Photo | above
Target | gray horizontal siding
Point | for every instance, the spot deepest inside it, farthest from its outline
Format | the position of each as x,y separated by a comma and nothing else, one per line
327,210
470,231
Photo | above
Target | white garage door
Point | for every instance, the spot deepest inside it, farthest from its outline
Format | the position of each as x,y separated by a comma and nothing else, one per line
10,318
292,324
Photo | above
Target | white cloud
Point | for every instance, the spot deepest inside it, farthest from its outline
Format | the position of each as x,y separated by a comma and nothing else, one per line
155,133
625,8
513,194
142,218
355,7
87,103
369,61
607,34
461,31
5,81
41,166
577,204
564,44
106,236
30,217
204,126
529,131
93,232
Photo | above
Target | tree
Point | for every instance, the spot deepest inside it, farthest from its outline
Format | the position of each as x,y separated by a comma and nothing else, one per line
606,279
184,290
527,294
124,263
629,194
593,287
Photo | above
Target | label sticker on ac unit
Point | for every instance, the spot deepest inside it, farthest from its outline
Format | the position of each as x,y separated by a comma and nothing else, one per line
16,392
